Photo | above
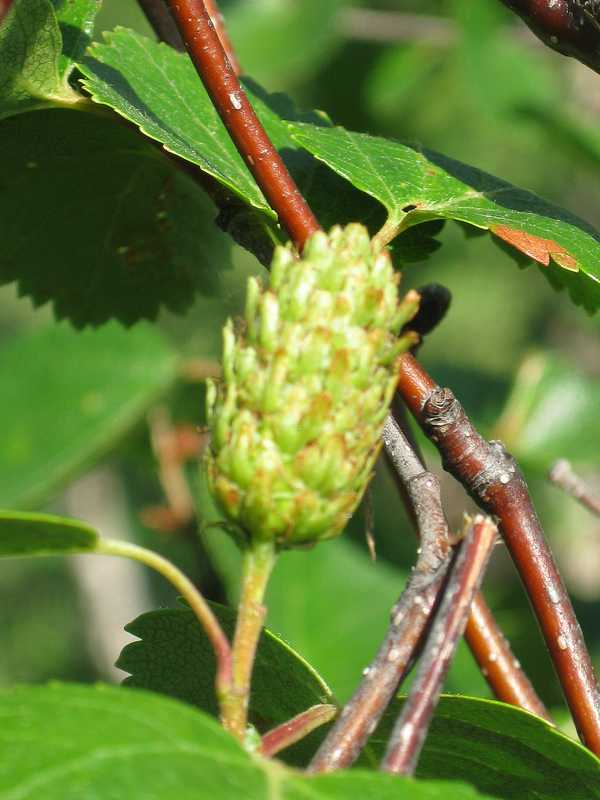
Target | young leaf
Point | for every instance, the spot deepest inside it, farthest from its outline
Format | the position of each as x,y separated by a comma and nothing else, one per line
67,397
67,742
501,750
416,186
28,534
99,222
32,74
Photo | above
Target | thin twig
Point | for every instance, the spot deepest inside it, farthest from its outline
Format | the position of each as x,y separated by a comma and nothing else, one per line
491,476
497,662
245,129
465,576
161,21
295,729
564,476
571,27
487,643
409,620
159,17
196,601
165,441
372,25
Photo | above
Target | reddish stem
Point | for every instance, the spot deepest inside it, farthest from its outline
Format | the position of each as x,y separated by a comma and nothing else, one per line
295,729
255,147
219,23
413,723
493,479
162,22
497,662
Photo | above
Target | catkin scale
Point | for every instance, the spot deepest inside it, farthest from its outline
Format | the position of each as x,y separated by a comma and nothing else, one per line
296,420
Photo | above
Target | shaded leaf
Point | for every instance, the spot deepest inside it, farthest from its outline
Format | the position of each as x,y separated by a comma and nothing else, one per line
501,750
174,657
30,53
552,412
67,397
65,742
28,534
417,186
99,222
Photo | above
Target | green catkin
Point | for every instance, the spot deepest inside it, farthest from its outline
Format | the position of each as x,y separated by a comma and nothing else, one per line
296,420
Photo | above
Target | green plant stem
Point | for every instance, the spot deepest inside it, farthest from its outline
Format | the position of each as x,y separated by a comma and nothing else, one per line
257,565
200,607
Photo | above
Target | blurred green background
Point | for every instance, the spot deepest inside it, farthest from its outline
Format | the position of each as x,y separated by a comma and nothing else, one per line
460,77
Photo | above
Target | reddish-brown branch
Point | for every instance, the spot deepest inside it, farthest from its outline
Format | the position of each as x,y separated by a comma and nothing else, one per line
159,17
229,98
295,729
571,27
157,14
486,641
497,662
467,572
493,479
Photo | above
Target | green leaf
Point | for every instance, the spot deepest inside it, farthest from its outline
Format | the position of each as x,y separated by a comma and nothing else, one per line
27,534
175,658
501,750
99,222
76,20
552,412
67,742
159,90
67,397
32,74
416,186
